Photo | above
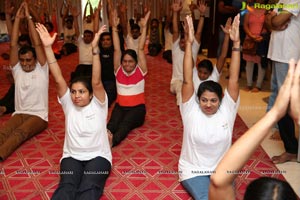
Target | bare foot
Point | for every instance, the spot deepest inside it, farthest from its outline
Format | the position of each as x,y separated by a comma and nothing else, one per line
110,137
256,89
2,110
284,157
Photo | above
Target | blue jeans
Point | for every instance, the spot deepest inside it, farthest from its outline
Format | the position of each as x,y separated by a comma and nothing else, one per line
279,72
197,187
286,124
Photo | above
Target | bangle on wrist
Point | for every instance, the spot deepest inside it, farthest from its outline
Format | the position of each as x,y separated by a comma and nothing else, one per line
202,16
237,48
29,17
54,61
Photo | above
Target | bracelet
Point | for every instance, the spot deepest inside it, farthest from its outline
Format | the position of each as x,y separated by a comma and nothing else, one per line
202,16
96,53
54,61
29,17
237,49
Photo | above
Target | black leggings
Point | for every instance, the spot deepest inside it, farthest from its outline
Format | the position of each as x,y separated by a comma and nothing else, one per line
82,179
124,119
287,133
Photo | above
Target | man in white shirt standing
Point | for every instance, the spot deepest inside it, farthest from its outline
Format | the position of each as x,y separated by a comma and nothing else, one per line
284,45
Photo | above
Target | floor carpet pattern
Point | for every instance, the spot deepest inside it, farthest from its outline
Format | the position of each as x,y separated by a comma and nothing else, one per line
144,164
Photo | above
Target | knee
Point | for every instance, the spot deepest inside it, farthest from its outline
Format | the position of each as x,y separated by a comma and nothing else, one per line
21,134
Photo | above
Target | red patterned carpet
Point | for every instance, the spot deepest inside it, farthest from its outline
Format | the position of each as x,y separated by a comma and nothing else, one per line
145,164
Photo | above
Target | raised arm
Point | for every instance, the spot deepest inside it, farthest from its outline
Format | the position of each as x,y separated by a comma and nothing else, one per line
240,152
64,11
75,15
54,20
234,69
36,42
47,40
141,54
124,21
116,40
97,85
14,47
88,3
222,57
188,63
110,10
176,7
8,13
33,10
202,8
97,17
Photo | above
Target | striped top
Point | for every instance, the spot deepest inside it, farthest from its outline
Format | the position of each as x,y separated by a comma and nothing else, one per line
130,87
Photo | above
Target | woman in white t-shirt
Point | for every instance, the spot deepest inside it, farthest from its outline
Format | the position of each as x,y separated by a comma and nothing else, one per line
87,158
208,117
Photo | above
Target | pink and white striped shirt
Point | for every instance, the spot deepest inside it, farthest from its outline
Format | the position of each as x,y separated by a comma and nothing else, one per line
130,87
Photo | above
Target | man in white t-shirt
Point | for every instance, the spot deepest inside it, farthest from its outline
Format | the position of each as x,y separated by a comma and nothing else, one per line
84,68
284,45
31,75
131,32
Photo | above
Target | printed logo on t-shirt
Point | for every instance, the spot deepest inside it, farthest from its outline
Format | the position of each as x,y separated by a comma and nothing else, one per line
225,126
90,117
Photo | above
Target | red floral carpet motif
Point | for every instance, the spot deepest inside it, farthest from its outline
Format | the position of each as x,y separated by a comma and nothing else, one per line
144,164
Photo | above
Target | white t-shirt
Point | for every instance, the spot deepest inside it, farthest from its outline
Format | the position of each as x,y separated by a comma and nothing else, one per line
31,90
177,59
132,43
3,27
168,39
69,35
87,26
285,44
215,76
85,127
205,138
85,52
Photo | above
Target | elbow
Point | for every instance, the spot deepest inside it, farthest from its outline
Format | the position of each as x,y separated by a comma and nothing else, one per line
214,188
215,182
96,82
220,190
